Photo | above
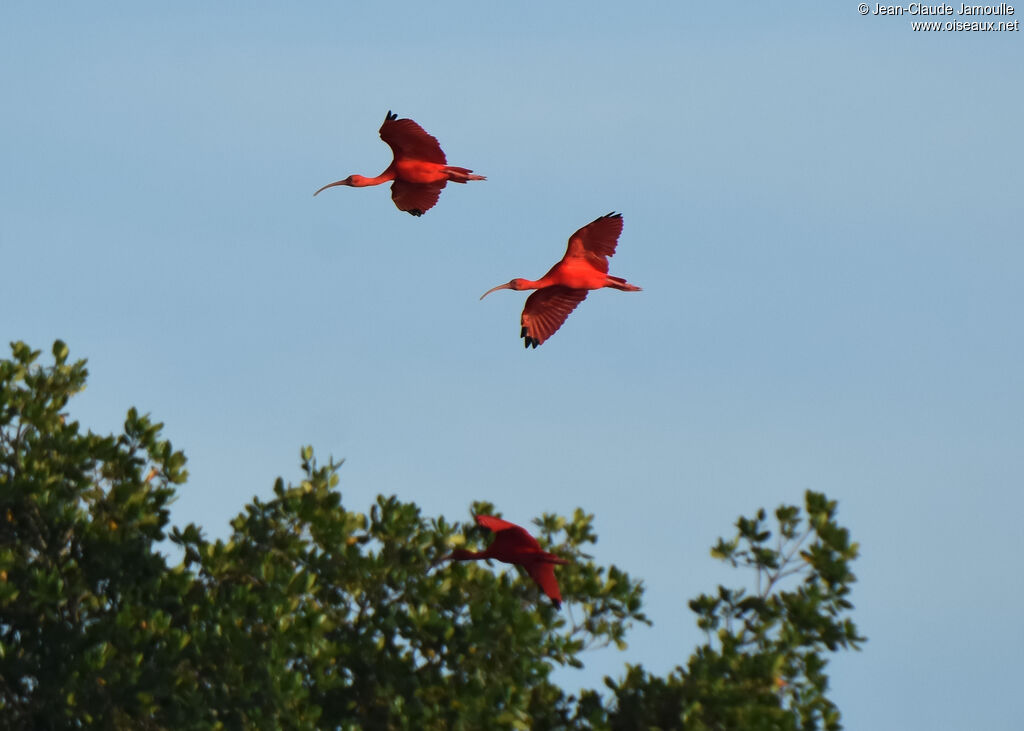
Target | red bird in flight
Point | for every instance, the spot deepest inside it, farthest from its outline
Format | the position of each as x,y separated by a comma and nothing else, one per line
419,170
584,267
512,544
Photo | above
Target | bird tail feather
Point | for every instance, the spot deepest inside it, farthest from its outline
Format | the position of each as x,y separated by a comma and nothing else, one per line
461,175
620,283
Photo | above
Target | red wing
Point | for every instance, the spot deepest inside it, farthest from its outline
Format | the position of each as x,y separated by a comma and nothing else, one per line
509,538
494,524
596,241
544,574
416,198
546,310
408,139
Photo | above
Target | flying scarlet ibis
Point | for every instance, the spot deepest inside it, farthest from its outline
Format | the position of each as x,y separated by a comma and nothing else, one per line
512,544
419,170
584,267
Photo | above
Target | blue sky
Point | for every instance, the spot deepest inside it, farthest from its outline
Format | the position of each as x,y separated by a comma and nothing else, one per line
824,211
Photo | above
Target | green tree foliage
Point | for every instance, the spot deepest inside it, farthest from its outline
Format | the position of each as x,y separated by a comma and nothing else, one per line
311,615
762,666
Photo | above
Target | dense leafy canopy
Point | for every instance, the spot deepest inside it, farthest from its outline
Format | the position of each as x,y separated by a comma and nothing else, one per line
311,615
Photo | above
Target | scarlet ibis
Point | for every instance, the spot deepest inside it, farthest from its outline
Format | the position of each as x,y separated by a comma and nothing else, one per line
584,267
512,544
419,169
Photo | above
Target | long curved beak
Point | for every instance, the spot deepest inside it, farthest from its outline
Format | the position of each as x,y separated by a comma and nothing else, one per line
507,285
330,185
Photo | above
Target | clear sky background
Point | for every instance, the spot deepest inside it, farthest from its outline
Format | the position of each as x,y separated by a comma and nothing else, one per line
824,211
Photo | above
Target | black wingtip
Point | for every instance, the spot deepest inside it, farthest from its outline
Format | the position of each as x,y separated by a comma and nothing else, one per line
527,340
558,604
391,116
613,214
415,212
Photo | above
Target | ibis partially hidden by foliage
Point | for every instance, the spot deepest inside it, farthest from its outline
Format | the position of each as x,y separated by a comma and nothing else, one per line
513,544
